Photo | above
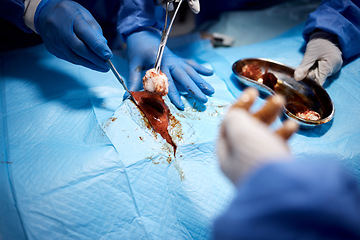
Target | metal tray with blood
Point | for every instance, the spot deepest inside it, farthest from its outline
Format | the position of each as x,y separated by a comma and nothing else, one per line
306,101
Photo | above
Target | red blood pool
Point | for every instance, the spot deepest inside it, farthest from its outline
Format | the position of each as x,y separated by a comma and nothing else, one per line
156,111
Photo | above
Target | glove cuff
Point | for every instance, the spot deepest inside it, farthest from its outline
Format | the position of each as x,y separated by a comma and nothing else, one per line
40,6
29,13
324,35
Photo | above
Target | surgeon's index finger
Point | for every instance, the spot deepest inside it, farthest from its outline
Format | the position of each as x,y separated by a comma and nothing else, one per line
92,38
246,100
271,109
289,128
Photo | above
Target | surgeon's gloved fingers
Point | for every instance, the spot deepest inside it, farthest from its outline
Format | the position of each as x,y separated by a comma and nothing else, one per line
194,6
134,82
306,64
79,48
324,70
312,73
321,79
222,144
223,152
93,39
246,144
231,136
288,128
92,22
200,68
316,75
181,77
74,58
272,108
246,100
302,71
174,94
322,55
204,86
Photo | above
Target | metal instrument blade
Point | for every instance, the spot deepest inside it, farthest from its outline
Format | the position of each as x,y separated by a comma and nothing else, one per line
121,80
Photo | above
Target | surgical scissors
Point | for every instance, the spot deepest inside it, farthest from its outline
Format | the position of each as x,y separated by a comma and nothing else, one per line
165,35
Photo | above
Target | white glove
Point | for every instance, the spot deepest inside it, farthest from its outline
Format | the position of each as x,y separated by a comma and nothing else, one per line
245,140
322,58
193,4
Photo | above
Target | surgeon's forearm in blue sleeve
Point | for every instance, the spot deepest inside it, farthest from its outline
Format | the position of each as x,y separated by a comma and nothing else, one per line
70,32
13,11
134,15
294,200
341,18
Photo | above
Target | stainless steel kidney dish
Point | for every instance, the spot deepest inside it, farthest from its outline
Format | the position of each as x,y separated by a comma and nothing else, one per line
302,97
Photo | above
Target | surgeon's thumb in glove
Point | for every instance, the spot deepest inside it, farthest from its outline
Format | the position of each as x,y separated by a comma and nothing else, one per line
322,58
246,142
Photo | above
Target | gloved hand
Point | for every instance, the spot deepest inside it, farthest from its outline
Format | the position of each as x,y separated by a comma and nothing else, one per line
193,4
246,142
183,75
71,33
322,58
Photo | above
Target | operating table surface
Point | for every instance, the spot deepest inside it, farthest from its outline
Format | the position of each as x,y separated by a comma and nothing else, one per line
76,161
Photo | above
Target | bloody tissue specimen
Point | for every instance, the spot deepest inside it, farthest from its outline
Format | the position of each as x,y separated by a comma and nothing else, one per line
269,80
156,111
309,115
252,71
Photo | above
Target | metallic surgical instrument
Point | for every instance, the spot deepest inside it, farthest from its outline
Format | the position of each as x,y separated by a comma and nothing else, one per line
165,35
120,79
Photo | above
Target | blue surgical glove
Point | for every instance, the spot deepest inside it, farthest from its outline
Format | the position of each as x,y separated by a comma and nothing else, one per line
183,75
71,33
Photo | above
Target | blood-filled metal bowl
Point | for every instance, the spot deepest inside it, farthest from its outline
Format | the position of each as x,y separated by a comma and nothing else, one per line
300,96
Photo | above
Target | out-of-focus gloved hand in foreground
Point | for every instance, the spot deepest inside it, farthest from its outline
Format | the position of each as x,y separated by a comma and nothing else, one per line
246,141
183,74
70,32
193,4
322,58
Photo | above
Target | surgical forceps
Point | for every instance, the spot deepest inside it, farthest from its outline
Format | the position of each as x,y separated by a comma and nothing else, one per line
165,35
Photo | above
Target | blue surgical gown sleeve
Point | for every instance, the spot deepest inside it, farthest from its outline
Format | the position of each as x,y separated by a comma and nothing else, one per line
341,18
135,15
13,11
293,200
